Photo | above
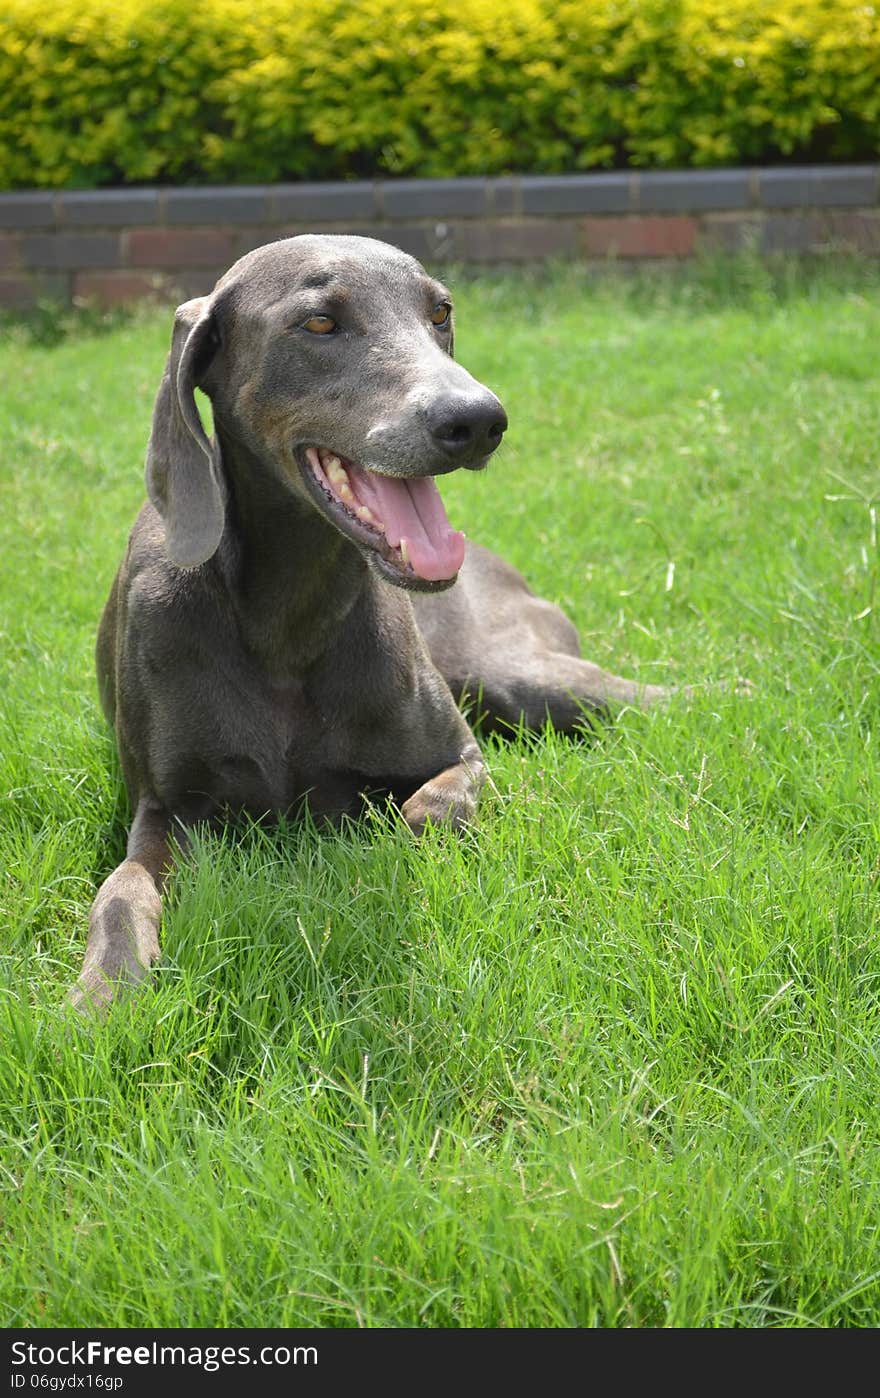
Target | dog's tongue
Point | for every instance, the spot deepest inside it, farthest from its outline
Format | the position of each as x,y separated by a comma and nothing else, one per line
412,510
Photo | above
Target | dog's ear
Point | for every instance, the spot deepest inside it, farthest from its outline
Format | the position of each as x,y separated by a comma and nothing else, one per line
183,474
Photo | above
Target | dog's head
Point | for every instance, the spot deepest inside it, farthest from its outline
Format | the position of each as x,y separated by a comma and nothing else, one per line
327,360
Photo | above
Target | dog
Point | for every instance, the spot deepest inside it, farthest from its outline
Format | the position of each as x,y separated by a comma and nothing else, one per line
295,621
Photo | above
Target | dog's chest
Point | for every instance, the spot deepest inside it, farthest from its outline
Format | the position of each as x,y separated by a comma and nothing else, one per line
285,748
228,737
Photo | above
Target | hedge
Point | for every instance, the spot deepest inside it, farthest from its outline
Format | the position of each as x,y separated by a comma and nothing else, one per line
111,92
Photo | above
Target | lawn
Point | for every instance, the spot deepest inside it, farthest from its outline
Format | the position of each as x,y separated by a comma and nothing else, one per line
608,1059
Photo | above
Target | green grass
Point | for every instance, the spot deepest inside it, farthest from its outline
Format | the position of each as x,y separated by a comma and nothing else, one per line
610,1058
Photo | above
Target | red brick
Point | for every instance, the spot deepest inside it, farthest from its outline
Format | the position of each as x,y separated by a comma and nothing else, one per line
257,238
200,282
519,240
854,232
66,251
9,251
178,247
731,232
22,293
639,236
119,288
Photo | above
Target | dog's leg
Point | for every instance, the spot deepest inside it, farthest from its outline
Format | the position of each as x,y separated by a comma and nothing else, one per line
123,939
578,685
450,798
561,690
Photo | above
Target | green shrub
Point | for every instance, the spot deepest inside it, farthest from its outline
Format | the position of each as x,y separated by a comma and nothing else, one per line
102,92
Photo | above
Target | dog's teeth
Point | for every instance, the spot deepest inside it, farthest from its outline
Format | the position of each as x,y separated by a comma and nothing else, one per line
345,492
336,472
403,552
365,514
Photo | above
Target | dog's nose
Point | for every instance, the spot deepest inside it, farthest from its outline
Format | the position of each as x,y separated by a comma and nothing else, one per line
467,424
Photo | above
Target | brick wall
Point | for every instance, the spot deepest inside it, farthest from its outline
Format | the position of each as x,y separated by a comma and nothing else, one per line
112,246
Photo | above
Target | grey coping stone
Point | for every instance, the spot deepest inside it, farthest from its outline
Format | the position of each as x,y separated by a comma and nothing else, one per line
32,209
455,198
108,207
577,194
819,185
688,191
323,203
504,194
218,205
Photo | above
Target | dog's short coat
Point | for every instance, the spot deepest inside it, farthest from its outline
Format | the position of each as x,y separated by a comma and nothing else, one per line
295,620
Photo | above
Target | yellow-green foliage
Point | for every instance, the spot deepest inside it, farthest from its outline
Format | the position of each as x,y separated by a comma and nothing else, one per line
96,92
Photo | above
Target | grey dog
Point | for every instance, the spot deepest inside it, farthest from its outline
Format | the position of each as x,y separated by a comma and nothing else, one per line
295,620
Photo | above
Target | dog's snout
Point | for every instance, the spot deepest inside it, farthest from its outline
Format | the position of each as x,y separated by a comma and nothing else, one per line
467,424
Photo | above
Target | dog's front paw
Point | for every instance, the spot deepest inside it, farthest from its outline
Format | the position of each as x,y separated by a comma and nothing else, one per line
94,991
123,939
450,798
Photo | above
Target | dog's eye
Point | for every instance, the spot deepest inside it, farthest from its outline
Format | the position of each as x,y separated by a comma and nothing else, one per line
320,325
440,315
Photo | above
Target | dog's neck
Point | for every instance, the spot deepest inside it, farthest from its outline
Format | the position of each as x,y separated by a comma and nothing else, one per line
293,577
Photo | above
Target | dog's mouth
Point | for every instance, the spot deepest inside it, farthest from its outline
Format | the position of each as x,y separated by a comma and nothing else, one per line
401,518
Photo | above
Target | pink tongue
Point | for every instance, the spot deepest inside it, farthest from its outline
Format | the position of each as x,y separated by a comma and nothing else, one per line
411,509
